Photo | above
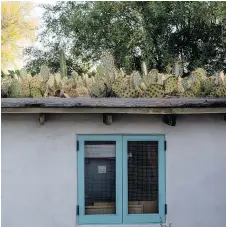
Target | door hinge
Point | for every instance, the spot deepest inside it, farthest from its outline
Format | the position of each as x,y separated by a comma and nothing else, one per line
165,208
77,210
77,145
165,144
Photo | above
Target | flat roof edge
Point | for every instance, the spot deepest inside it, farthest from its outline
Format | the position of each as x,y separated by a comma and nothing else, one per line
156,111
111,103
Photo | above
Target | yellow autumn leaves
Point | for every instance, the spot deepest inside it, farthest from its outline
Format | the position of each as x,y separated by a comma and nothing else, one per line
17,26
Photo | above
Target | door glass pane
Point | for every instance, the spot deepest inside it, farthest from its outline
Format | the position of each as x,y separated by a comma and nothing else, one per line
142,177
100,177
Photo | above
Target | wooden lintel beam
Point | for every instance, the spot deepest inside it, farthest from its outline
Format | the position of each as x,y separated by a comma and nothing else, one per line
170,119
107,119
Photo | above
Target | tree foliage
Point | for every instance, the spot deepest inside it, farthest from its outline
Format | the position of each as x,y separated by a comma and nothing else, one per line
17,25
190,32
36,57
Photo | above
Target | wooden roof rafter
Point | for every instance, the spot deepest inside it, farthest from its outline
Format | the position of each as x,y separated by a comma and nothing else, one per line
168,107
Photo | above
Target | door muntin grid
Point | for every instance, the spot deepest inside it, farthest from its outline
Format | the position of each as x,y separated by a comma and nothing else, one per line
142,168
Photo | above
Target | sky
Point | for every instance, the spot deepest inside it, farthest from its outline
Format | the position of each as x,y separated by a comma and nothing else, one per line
38,11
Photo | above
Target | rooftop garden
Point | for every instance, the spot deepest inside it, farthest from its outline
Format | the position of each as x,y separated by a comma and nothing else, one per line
152,49
108,81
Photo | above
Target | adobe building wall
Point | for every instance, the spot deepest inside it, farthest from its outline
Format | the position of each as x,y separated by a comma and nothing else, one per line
39,164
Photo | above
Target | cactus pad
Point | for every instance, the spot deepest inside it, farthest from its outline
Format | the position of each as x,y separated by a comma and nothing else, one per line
35,87
119,86
82,91
195,88
45,72
220,91
25,88
189,94
136,78
171,85
15,88
143,86
155,91
5,86
129,93
151,77
199,72
98,89
207,86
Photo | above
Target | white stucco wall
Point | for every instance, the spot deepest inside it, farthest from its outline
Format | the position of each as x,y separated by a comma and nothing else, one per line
39,167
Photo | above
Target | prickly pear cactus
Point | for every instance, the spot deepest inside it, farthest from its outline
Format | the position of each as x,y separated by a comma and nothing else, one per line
58,84
185,83
108,65
220,91
128,81
82,91
155,91
5,87
162,78
25,88
143,87
106,74
207,86
151,77
74,74
72,81
80,82
196,88
73,93
222,79
169,69
171,85
180,86
119,86
64,79
35,87
189,94
199,72
43,88
136,78
89,83
36,93
50,81
15,88
212,94
93,79
45,72
70,91
98,89
85,79
129,93
108,82
54,84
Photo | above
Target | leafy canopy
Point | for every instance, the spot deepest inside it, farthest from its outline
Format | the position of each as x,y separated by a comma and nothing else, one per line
190,32
17,26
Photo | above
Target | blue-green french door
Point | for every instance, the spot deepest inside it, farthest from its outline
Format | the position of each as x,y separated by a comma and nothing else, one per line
144,218
121,143
101,218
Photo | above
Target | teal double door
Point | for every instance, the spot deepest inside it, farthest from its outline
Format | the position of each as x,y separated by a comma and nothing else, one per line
120,179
